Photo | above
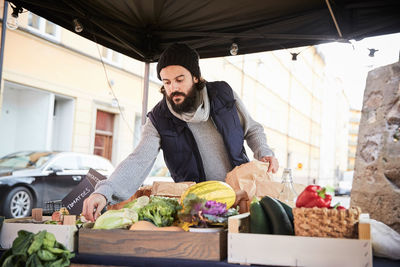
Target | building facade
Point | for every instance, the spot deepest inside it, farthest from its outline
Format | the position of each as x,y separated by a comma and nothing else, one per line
58,95
354,123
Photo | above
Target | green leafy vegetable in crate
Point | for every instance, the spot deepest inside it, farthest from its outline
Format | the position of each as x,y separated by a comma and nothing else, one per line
205,213
122,218
41,249
113,219
138,203
161,211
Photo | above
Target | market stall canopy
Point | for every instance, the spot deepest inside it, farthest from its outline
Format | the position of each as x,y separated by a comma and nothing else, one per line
142,29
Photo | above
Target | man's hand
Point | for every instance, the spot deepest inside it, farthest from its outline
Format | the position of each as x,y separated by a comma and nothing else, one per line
241,200
92,206
273,163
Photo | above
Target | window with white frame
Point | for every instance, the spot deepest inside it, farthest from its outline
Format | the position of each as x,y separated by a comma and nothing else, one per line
110,56
43,27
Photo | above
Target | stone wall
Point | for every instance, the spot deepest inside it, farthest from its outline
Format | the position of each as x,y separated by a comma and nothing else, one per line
376,184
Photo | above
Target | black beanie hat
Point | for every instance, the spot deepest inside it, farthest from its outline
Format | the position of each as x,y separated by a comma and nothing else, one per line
182,55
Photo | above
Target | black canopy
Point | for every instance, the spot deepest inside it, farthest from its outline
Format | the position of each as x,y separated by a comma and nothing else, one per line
143,28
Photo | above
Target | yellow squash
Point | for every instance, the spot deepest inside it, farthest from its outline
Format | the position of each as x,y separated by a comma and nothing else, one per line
212,190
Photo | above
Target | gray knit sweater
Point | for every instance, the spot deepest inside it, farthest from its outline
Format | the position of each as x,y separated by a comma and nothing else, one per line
130,173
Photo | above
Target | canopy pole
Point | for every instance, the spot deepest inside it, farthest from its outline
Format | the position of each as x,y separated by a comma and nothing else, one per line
333,18
145,91
3,41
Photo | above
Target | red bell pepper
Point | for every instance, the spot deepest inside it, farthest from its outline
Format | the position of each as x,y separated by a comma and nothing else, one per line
338,207
314,196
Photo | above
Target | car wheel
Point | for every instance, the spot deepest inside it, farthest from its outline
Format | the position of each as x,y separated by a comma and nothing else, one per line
18,203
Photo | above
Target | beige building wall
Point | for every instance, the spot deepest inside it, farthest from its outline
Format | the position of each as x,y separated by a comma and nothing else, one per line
286,97
71,66
354,122
334,135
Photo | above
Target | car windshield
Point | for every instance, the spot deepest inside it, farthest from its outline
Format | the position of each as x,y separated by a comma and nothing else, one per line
23,160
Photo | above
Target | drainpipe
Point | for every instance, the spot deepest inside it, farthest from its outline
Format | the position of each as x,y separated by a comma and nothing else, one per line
145,98
3,39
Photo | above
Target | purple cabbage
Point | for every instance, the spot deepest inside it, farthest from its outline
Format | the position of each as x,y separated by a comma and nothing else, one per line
214,208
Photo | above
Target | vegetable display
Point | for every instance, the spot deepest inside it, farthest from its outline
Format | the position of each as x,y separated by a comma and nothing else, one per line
161,211
270,216
138,203
259,221
288,211
113,219
122,218
212,190
204,213
36,250
205,204
212,198
280,222
314,196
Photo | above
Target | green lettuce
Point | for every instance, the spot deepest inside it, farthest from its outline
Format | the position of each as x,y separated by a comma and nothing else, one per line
138,203
113,219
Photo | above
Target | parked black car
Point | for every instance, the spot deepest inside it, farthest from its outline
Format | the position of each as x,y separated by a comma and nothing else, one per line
28,179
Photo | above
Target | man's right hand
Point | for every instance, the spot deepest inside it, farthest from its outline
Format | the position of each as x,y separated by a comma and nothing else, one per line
92,206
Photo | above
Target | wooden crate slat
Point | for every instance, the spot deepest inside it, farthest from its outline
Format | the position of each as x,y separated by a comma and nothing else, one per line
186,245
298,250
246,248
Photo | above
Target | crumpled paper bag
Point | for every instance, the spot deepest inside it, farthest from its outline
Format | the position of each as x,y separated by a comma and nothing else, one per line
170,189
142,191
253,178
165,189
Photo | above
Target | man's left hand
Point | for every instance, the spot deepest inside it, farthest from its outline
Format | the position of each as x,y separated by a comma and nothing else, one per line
273,163
241,200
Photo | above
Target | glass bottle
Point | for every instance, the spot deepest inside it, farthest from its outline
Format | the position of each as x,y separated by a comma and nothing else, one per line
287,195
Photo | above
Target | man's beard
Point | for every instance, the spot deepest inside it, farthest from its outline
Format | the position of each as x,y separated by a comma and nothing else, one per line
187,103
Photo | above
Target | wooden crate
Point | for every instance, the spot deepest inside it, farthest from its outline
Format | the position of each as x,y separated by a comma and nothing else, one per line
281,250
160,244
65,234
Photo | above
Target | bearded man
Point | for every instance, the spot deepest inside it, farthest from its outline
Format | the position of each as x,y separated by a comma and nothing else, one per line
200,126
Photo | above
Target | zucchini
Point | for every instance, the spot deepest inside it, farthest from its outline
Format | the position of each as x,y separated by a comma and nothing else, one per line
279,219
288,210
259,221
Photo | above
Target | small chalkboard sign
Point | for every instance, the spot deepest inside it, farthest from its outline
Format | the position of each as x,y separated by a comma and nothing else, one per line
74,200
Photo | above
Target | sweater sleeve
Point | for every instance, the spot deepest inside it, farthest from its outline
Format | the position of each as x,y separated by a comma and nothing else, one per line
253,131
131,172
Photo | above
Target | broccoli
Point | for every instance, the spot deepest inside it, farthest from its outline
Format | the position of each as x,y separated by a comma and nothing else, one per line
160,211
170,201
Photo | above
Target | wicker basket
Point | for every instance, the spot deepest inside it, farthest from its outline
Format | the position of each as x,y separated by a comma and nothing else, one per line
323,222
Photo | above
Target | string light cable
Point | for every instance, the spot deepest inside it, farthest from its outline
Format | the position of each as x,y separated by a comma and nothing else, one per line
295,54
109,83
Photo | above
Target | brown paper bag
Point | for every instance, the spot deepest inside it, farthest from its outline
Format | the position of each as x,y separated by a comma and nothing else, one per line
165,189
253,178
170,189
142,191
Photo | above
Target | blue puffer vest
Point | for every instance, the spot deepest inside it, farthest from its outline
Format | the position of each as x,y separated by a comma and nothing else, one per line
181,153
